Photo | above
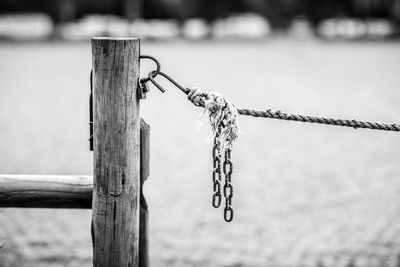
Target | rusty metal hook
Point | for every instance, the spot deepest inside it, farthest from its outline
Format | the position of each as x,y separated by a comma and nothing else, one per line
153,74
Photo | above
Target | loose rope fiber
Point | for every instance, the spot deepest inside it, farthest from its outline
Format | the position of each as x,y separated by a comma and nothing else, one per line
222,116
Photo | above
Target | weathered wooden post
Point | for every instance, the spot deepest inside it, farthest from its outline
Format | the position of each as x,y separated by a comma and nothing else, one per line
116,188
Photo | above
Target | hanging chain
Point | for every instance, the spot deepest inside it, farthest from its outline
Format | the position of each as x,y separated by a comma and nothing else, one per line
217,158
217,180
228,188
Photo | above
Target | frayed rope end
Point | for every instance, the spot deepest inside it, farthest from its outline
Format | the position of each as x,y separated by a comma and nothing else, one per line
222,116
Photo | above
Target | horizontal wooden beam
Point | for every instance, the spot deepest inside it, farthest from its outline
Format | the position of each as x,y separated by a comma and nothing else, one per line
46,191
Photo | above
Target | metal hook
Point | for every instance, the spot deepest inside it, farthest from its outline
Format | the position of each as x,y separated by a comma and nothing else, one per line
152,74
156,71
180,87
156,84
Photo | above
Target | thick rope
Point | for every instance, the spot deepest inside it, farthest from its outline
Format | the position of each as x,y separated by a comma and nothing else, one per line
269,113
300,118
320,120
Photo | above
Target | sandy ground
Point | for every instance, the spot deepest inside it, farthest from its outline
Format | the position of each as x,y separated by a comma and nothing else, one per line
305,195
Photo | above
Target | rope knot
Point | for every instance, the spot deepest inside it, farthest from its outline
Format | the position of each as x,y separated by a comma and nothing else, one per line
222,116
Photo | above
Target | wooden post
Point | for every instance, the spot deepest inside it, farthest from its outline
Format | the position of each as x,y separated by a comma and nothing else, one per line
116,189
144,173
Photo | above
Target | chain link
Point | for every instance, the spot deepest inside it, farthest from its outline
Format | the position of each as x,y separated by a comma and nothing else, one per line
228,188
227,168
216,175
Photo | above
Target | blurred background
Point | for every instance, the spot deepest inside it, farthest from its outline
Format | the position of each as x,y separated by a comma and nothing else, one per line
198,19
305,195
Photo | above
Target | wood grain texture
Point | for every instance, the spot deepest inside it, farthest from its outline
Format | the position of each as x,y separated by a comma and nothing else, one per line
116,189
46,191
144,173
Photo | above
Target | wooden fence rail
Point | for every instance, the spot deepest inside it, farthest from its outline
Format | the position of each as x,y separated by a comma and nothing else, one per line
46,191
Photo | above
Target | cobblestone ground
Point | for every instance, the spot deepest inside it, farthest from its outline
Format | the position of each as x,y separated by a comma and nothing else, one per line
305,195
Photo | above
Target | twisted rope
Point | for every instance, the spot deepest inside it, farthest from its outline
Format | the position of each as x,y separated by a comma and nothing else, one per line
269,113
200,99
320,120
